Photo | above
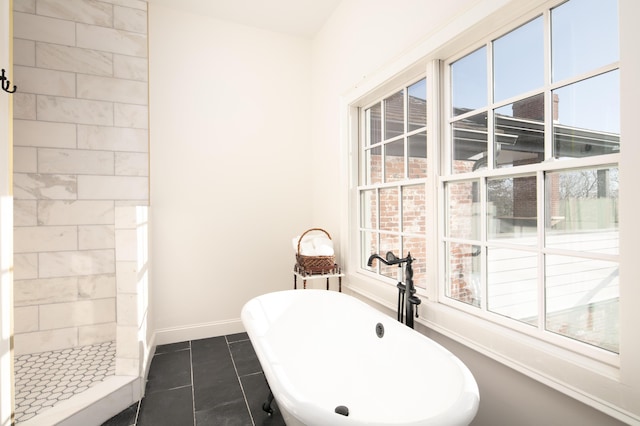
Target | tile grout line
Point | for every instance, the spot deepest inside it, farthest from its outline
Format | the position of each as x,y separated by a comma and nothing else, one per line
193,388
135,419
244,395
173,388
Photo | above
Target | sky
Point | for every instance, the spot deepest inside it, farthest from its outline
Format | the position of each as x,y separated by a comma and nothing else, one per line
584,38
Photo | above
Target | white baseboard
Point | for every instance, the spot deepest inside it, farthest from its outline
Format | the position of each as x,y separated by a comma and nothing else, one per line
197,331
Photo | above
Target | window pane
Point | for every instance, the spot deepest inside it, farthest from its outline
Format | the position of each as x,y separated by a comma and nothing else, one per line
582,300
373,117
512,209
587,117
582,210
584,36
389,214
464,210
373,165
369,245
417,145
463,273
519,132
368,210
394,115
512,284
417,105
469,82
518,61
469,149
414,209
394,161
418,249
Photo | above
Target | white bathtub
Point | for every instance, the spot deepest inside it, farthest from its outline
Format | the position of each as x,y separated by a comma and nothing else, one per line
319,350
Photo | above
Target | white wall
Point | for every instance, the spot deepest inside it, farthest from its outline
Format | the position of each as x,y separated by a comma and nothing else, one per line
230,167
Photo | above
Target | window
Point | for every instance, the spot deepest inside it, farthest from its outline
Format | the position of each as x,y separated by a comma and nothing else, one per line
528,242
393,165
530,176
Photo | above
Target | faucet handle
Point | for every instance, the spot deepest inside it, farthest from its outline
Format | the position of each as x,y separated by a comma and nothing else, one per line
391,257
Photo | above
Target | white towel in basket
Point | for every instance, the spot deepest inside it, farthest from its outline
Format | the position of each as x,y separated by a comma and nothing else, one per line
313,245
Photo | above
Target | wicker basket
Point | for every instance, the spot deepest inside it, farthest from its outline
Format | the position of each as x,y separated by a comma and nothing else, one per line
315,264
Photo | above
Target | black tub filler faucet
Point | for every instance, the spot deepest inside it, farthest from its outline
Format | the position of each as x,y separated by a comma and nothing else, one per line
406,305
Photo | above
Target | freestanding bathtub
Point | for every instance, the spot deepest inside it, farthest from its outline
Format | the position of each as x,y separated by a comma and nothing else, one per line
325,353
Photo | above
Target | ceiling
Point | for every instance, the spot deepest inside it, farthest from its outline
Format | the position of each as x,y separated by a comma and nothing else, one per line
302,18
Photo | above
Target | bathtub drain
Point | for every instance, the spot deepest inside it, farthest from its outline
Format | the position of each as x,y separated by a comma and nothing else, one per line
379,329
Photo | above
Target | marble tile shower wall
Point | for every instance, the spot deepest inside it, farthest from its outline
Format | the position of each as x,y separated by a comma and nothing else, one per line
80,154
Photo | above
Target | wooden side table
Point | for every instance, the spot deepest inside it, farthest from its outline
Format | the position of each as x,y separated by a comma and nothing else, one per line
298,272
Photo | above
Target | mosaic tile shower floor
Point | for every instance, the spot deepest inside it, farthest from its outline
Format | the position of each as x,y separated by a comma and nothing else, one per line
44,379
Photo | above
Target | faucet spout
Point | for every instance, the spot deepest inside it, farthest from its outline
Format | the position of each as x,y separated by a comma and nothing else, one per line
373,257
391,259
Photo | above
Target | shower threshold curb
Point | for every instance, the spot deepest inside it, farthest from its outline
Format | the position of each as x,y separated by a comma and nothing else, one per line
95,405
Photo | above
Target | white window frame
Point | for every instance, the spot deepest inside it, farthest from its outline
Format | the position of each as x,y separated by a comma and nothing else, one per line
399,184
610,385
538,170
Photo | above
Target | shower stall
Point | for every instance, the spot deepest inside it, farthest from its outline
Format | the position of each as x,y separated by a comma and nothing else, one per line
81,194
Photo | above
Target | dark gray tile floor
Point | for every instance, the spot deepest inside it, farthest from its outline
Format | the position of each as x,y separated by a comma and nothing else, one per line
216,381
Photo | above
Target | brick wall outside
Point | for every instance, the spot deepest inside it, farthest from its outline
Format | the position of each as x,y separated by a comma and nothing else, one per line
414,215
